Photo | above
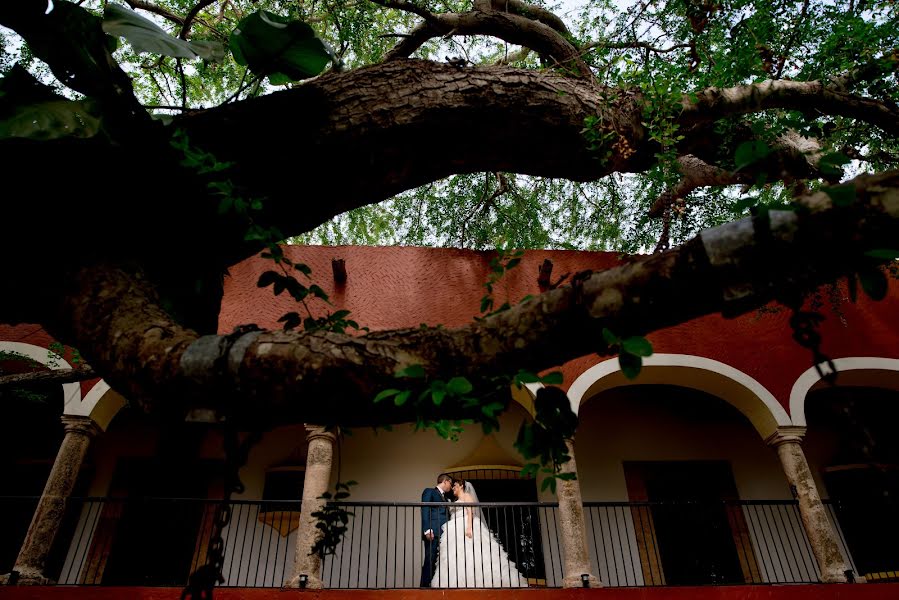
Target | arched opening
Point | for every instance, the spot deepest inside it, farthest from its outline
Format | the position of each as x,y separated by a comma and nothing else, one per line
853,448
676,469
30,435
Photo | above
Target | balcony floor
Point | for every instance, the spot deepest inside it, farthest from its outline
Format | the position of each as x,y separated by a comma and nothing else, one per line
882,591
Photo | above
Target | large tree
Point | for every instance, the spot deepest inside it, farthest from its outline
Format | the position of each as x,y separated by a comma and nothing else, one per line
134,180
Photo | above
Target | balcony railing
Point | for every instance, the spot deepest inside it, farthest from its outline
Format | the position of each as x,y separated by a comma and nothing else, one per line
160,541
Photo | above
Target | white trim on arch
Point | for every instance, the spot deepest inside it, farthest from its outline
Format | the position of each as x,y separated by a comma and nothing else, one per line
810,378
773,415
71,391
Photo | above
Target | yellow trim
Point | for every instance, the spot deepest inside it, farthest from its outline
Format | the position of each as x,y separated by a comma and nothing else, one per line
282,521
483,468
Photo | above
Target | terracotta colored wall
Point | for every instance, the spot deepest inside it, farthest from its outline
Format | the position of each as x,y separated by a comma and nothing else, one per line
28,333
884,591
404,287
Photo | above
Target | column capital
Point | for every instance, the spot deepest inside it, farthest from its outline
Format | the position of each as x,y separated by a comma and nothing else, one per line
314,432
80,424
786,435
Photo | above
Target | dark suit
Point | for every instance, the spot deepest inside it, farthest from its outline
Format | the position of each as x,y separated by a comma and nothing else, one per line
433,518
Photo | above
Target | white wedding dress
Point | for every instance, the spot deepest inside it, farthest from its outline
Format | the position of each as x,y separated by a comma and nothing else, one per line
475,562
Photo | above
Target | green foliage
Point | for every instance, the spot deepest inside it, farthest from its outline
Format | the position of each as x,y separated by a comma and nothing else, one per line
332,519
146,36
279,48
504,261
545,438
631,351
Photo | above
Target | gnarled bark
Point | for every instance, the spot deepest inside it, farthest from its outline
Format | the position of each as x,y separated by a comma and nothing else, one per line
324,377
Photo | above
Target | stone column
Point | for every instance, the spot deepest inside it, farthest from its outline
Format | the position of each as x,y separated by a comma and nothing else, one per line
319,454
818,528
51,507
575,555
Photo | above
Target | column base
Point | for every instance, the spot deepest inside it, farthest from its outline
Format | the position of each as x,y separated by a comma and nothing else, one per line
834,577
312,583
26,576
576,581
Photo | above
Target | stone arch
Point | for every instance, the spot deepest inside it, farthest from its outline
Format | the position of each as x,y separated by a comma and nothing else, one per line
71,391
870,371
737,388
101,403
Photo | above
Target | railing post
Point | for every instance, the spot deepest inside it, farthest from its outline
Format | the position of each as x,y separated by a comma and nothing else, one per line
307,572
576,569
818,528
48,515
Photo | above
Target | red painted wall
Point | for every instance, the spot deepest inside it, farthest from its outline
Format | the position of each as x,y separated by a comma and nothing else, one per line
28,333
404,287
882,591
393,287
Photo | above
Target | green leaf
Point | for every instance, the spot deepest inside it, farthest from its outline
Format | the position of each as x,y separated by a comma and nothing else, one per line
630,364
492,408
401,398
526,377
437,396
874,283
883,253
554,378
830,163
549,482
530,470
459,386
743,203
145,36
512,263
274,46
384,394
52,120
841,195
412,371
610,338
638,346
750,152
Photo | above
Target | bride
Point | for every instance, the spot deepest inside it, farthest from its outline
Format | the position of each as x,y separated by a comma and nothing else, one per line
469,555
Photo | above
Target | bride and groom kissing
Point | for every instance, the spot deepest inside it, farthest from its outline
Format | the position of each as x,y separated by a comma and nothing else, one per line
460,549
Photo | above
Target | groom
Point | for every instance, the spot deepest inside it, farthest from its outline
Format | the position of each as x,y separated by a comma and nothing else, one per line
432,520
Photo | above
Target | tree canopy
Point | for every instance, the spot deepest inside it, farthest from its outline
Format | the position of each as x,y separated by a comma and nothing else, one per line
148,147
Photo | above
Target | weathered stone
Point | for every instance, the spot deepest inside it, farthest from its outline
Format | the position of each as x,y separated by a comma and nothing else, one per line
575,556
818,528
319,455
48,515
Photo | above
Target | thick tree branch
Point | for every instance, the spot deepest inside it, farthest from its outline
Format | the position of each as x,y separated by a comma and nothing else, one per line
325,377
156,10
50,376
411,7
626,45
531,11
793,157
191,15
695,173
512,28
813,96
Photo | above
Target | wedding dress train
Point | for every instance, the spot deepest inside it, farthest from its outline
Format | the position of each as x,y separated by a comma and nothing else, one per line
475,562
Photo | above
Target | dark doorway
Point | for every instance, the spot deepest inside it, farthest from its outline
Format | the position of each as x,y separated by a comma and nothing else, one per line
516,527
862,472
690,519
160,517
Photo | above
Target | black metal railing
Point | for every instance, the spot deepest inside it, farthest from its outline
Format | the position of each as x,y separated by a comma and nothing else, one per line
700,543
513,544
160,541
